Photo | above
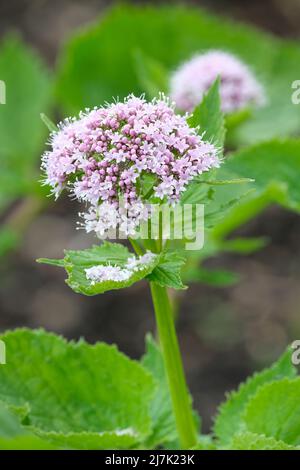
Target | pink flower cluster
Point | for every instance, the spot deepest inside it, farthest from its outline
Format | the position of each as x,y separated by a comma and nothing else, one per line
102,157
238,86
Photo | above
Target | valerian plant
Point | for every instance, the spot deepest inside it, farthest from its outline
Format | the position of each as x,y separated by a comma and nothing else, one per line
107,158
94,397
119,161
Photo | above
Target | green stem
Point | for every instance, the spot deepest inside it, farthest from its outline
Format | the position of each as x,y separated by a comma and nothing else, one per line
181,401
137,248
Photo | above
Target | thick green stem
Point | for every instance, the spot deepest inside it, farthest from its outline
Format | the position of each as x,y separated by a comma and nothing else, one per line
181,402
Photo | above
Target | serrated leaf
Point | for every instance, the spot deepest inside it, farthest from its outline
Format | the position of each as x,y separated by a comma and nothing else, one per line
108,440
164,426
230,415
209,117
74,388
274,411
168,272
252,441
107,254
205,442
13,436
25,442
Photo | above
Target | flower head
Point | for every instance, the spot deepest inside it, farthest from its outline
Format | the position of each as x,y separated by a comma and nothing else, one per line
106,272
238,86
104,156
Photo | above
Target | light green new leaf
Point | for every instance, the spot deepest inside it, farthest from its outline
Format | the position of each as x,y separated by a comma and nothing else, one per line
252,441
275,411
209,117
168,272
76,390
114,254
230,417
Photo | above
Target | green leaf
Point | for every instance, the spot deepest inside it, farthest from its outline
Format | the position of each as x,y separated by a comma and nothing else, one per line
244,246
280,117
205,442
76,262
79,395
275,162
252,441
220,208
9,423
211,277
235,119
229,419
275,167
168,272
125,439
164,426
209,117
28,93
219,200
274,411
225,182
13,436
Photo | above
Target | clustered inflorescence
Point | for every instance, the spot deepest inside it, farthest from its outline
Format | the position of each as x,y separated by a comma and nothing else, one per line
102,273
104,156
238,86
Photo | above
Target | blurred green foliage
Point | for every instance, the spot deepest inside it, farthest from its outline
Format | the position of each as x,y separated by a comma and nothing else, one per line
22,134
131,47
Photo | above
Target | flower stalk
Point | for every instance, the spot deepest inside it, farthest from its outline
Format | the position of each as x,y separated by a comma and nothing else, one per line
180,397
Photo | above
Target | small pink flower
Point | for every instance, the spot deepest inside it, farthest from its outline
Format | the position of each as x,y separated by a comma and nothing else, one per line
238,86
